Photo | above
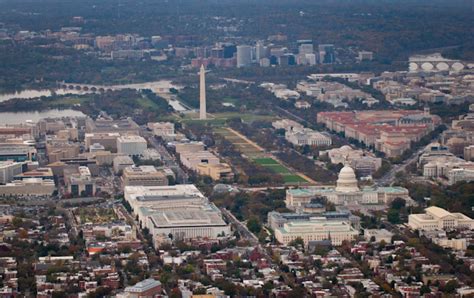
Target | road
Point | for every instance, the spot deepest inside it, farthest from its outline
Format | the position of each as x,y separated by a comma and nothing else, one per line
291,115
123,214
263,188
389,177
169,160
71,219
241,227
271,155
249,236
408,233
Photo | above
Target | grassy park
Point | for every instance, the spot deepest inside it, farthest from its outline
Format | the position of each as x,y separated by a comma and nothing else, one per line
275,166
256,154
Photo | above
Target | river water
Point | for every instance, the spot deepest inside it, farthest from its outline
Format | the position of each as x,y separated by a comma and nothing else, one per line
30,93
161,88
23,117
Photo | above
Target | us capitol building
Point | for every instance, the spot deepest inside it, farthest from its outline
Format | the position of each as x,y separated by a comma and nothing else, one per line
346,192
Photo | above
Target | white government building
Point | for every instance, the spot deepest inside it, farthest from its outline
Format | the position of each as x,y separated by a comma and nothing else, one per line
298,135
28,187
363,162
164,130
346,192
316,229
131,145
436,218
176,212
307,136
438,162
9,169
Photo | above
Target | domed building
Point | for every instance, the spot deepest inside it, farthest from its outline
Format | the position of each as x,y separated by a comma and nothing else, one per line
347,181
346,192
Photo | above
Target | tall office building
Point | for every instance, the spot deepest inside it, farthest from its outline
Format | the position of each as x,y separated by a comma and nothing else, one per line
229,50
202,94
326,53
287,59
310,59
260,51
217,53
244,55
278,51
305,46
365,56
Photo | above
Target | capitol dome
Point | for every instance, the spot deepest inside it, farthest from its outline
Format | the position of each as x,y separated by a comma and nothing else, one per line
347,181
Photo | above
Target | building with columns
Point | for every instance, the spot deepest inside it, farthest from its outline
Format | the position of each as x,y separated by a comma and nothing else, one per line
346,192
316,229
179,212
436,218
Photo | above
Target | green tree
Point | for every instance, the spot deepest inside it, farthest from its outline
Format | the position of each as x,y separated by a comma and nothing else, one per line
254,225
393,216
297,242
451,286
398,203
425,290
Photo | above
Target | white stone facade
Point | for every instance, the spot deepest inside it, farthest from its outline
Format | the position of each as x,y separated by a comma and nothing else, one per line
316,229
437,218
131,145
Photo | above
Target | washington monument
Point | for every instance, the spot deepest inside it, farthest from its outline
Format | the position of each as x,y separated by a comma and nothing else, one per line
202,93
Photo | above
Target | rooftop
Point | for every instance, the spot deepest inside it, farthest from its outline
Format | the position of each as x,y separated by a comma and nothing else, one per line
162,193
438,212
143,286
131,138
134,170
177,218
112,125
39,172
123,159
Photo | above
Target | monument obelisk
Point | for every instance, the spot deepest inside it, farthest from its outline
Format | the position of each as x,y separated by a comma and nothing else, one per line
202,93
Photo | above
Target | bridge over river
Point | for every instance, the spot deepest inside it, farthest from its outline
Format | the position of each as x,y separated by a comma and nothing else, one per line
162,88
159,87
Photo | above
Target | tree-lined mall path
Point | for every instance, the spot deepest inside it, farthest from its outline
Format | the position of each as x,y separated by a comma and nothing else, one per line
257,154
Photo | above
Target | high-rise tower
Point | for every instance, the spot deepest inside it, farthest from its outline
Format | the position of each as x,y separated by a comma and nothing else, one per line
202,93
244,55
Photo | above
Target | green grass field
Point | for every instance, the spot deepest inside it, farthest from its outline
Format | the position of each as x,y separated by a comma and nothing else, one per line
240,144
259,157
244,116
278,169
219,119
288,176
275,166
293,179
266,161
146,103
